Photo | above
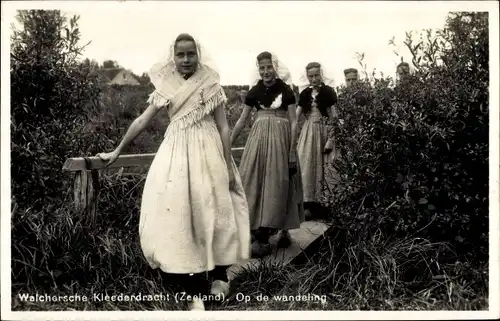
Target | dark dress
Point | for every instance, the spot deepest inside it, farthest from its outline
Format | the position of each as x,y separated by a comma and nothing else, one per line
274,195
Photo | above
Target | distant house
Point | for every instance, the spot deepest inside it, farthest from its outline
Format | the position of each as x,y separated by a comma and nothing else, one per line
117,76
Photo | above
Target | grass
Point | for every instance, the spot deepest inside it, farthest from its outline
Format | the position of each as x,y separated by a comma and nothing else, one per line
56,252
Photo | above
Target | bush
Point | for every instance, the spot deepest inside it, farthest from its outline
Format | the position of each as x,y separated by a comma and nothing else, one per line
415,157
51,92
410,212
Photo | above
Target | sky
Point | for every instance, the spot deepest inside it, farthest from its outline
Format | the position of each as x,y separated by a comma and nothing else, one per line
138,34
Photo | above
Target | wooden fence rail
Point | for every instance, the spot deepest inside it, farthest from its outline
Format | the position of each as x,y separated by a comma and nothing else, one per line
86,184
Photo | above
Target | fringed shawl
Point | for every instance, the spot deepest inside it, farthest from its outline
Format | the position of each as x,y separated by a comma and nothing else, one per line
189,101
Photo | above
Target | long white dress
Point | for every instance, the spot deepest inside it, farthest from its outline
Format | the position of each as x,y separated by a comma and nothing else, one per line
190,220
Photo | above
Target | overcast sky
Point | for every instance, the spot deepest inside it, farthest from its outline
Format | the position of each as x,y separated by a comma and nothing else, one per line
138,34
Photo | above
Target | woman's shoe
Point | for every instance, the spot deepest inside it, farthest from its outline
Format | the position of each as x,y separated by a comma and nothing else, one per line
220,288
196,304
285,240
259,250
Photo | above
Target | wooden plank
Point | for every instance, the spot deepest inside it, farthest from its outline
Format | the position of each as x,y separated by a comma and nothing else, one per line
313,248
92,192
78,188
85,190
78,163
301,238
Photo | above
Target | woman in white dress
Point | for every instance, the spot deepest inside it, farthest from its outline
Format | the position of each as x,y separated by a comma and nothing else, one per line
315,149
194,214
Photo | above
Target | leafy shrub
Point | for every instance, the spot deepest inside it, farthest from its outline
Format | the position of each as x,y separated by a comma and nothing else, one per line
51,92
414,158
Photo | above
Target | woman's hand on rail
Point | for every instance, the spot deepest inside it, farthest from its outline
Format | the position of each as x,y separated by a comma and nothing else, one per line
109,158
